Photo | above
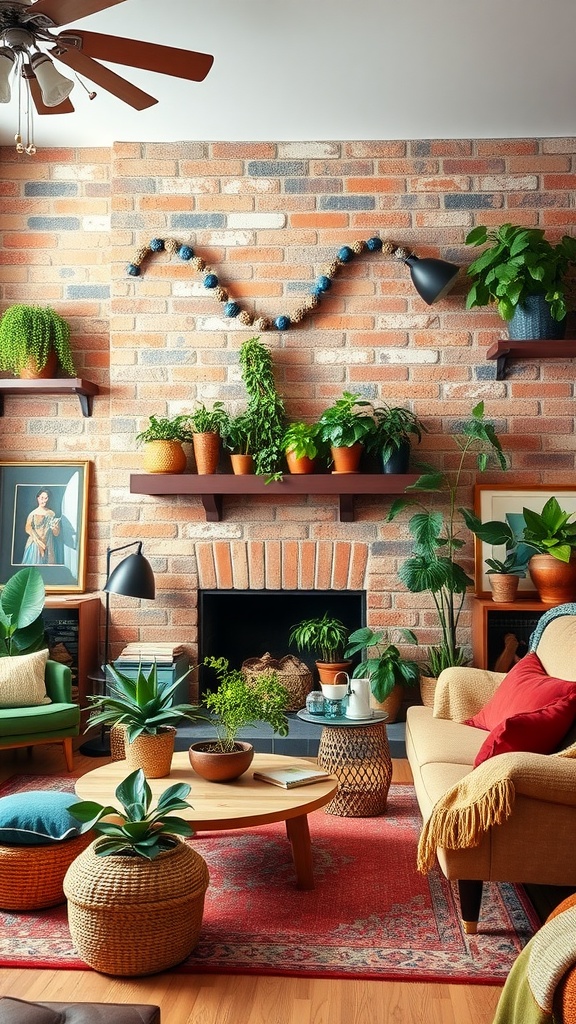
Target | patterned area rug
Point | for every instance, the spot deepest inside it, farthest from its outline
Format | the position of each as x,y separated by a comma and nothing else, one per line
371,915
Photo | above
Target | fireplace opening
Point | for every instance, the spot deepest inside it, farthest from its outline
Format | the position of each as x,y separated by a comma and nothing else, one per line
242,624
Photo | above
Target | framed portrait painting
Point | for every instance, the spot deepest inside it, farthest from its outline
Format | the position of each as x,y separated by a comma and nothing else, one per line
43,521
505,504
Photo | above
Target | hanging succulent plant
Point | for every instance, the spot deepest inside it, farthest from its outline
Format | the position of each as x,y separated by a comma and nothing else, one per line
32,333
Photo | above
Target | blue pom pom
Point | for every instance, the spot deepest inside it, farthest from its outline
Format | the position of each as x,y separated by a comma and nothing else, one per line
133,270
157,244
345,254
231,309
323,284
210,281
282,323
185,252
374,244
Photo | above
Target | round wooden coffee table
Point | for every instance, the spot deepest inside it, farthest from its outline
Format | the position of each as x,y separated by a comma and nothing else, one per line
243,803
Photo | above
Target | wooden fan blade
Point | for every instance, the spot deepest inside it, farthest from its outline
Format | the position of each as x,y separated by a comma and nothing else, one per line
62,12
63,108
103,77
166,60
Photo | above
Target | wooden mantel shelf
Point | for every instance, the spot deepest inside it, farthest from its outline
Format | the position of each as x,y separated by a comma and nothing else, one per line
85,389
210,489
505,349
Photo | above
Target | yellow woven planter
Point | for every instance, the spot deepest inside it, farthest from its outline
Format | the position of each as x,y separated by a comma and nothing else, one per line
130,916
164,457
31,877
151,753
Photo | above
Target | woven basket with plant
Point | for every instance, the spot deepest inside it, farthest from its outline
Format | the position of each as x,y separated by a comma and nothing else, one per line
294,675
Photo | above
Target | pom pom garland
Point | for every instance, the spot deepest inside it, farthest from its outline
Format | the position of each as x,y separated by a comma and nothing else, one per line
261,323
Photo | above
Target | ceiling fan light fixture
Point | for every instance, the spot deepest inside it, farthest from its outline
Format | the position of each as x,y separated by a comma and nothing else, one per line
55,88
7,59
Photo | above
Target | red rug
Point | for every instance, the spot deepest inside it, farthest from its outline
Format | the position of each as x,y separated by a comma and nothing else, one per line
371,915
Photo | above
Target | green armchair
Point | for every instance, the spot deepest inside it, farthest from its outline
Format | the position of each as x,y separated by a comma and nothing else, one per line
57,722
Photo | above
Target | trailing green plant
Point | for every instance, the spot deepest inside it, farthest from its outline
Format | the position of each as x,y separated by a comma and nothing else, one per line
265,407
165,428
240,434
349,420
301,439
238,702
434,567
22,629
385,666
519,262
138,831
209,421
324,637
32,332
394,427
141,705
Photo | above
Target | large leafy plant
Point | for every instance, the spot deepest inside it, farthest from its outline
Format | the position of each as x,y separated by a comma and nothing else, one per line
141,705
519,262
348,421
238,702
382,661
301,439
21,606
136,830
434,567
32,332
326,637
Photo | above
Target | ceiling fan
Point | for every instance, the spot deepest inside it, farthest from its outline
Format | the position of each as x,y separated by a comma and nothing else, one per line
29,38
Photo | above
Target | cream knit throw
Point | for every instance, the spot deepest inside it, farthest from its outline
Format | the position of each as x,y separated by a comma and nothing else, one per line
486,796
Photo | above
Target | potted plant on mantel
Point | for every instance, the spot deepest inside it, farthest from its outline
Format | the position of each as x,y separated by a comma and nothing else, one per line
114,925
237,702
34,341
300,443
523,275
325,637
389,673
163,439
346,426
239,439
207,426
394,427
145,710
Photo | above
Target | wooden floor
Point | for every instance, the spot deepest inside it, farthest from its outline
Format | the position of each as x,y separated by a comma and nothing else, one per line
235,999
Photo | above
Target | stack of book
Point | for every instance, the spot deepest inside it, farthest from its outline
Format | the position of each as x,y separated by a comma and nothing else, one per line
161,653
172,664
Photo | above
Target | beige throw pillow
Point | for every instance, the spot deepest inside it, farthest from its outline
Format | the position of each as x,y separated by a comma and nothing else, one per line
22,680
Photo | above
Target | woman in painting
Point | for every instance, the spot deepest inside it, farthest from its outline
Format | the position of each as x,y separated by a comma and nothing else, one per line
42,526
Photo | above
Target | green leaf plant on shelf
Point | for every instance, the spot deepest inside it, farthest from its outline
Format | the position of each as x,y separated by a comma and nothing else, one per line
265,408
434,567
34,340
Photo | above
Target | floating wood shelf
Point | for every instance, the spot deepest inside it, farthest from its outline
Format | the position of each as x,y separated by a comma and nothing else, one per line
211,489
85,389
504,350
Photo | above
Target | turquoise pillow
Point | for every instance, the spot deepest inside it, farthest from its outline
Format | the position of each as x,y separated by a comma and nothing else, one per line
36,818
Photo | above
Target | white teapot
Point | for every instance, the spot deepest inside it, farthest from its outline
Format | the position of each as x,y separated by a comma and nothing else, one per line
358,699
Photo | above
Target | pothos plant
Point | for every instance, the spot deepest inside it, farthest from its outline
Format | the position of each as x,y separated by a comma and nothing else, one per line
434,566
31,332
265,408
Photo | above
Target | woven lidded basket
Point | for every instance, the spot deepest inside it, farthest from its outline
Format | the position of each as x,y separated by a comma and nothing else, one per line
130,916
291,672
31,877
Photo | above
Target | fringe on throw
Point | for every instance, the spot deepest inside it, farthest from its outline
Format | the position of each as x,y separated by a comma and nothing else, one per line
456,823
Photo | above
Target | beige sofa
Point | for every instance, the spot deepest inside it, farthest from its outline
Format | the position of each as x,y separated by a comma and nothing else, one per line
513,818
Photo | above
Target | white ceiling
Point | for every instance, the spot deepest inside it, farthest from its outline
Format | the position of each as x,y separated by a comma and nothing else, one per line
336,69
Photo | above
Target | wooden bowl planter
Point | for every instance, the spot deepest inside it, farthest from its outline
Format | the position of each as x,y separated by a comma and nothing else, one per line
152,753
216,765
164,457
129,916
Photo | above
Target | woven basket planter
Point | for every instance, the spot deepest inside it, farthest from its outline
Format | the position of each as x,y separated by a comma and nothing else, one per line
291,672
130,916
152,753
164,457
117,743
31,877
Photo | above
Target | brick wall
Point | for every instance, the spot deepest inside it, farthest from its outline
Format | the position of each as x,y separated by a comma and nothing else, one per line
266,218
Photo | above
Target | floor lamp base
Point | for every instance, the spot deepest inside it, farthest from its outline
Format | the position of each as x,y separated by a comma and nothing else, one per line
99,746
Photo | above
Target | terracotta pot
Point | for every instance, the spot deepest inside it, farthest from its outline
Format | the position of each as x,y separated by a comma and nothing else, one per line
206,452
242,465
391,706
215,766
327,670
31,371
299,465
347,460
152,753
504,587
554,580
164,457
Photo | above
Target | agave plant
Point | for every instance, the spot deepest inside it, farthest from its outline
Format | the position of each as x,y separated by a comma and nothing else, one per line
141,705
137,831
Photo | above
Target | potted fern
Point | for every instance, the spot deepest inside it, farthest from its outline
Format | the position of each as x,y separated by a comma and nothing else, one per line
163,439
208,426
34,342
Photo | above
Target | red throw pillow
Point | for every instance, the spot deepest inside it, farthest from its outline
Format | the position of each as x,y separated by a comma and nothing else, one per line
527,687
539,732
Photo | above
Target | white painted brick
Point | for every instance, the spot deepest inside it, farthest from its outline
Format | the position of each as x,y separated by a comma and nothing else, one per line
408,355
342,356
308,150
219,323
485,389
237,186
256,220
405,321
188,288
96,223
228,238
212,531
509,183
84,172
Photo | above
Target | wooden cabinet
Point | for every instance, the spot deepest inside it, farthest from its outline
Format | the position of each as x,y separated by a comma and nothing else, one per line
491,622
72,624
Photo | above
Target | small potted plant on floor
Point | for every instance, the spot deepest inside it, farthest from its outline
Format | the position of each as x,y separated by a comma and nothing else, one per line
394,427
346,427
136,894
34,341
300,443
237,702
208,426
163,439
389,673
325,637
523,275
145,709
239,439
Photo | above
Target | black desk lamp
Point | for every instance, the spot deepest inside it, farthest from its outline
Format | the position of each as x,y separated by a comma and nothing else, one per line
132,577
431,278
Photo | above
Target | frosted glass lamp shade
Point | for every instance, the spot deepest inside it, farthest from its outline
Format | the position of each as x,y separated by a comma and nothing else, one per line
6,64
55,88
